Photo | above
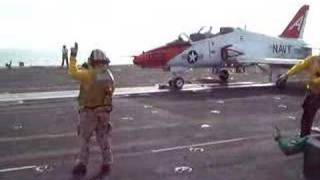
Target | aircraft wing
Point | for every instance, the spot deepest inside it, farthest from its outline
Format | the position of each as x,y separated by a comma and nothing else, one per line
270,61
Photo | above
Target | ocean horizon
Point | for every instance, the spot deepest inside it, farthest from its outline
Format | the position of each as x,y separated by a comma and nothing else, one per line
44,58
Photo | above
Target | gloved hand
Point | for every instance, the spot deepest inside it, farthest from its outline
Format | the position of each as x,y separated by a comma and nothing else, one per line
281,81
74,50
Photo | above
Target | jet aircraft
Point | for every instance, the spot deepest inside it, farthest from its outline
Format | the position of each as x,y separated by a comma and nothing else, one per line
230,45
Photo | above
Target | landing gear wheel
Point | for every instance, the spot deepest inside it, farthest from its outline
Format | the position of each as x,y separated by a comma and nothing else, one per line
176,83
224,75
281,84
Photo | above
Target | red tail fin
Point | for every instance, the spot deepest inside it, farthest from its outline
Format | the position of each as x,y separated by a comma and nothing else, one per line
296,27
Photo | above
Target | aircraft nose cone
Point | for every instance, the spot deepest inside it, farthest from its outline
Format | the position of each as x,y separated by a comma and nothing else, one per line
138,60
135,60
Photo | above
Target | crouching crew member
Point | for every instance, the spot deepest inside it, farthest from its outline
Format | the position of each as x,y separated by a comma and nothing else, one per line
311,102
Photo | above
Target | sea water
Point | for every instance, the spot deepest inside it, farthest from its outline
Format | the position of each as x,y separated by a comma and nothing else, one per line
44,57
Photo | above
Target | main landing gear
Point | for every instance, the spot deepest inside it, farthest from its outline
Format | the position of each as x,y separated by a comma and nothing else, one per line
176,83
223,75
221,72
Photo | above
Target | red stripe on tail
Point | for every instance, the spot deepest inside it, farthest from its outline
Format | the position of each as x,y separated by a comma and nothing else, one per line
296,26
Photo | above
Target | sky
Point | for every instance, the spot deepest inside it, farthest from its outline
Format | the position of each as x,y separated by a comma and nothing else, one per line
125,27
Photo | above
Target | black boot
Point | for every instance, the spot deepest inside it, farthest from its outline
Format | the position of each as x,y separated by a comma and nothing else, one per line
79,169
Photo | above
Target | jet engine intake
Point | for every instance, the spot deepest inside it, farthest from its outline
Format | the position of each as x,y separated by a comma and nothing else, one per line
229,53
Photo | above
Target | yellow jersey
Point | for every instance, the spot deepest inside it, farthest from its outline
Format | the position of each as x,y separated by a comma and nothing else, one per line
96,85
312,67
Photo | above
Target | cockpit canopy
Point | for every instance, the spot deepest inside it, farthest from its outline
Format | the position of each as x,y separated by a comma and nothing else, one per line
183,38
201,34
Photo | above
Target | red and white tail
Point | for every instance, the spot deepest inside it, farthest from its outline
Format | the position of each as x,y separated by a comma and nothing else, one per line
296,27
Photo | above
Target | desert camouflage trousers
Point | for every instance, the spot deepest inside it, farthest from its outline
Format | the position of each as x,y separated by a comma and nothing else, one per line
94,121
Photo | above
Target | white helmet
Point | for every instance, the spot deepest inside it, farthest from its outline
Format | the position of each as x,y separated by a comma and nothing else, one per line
98,57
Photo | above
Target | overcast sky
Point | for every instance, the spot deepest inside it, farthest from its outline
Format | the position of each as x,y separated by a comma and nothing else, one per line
126,27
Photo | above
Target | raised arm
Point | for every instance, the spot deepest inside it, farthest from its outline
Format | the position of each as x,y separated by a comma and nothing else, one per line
78,74
75,72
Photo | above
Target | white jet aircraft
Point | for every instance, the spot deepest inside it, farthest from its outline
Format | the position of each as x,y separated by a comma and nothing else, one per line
229,46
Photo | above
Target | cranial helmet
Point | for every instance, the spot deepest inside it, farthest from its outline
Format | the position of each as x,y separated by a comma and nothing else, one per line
98,57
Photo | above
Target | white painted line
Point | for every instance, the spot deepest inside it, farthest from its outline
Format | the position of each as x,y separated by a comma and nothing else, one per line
73,134
153,151
201,144
8,97
17,169
74,151
36,137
